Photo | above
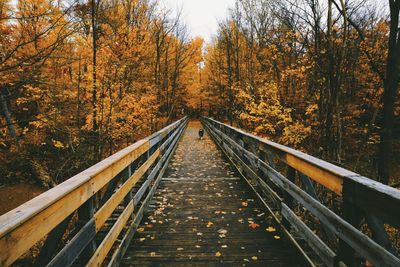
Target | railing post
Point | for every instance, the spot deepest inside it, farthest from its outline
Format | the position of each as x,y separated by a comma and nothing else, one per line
126,175
353,216
52,243
85,214
287,198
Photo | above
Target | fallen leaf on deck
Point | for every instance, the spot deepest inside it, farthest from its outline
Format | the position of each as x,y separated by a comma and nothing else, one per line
218,254
254,258
254,225
141,229
179,249
277,237
209,224
270,229
142,239
244,204
152,254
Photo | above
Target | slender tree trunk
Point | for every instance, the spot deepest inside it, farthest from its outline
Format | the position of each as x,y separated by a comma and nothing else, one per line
7,116
390,93
78,100
94,84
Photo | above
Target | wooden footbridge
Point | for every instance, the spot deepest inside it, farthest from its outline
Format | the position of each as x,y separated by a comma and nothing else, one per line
230,199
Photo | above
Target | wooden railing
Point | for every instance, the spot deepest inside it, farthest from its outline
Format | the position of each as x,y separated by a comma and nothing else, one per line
80,220
262,163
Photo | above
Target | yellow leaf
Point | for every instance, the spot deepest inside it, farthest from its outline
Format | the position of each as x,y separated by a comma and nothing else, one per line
141,229
254,258
142,239
57,144
277,237
218,254
152,254
270,229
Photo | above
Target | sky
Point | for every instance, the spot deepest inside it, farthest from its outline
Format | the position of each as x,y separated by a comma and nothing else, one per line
201,16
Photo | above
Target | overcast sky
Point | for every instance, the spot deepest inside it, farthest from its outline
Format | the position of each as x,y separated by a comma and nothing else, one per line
201,16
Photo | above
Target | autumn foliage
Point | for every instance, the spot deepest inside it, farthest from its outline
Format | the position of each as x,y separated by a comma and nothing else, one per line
80,80
308,74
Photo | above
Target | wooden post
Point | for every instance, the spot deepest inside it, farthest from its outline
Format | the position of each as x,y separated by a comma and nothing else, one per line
85,213
53,243
353,216
287,198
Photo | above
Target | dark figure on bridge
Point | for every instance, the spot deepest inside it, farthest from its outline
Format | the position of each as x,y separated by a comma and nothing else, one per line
201,133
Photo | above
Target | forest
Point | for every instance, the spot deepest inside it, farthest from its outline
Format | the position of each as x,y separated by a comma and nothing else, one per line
82,79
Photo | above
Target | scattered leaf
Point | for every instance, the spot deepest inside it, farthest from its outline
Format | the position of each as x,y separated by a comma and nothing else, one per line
254,225
254,258
277,237
218,254
141,229
270,229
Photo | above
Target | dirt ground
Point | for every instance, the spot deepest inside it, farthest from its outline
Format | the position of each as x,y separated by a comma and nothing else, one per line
11,196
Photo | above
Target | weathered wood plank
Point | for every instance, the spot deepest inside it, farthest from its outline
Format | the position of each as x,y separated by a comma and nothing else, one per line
105,246
108,208
122,247
75,246
319,247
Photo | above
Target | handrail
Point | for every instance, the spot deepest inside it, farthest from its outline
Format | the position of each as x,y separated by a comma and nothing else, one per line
254,157
111,180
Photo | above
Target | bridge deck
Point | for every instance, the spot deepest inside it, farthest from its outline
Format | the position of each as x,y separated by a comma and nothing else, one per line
203,214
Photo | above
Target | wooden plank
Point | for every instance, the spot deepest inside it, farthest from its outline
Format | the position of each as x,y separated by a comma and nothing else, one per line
318,246
321,176
122,247
108,208
52,244
75,246
105,246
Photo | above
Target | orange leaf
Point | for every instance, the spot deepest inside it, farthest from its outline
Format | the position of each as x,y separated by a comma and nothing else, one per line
254,225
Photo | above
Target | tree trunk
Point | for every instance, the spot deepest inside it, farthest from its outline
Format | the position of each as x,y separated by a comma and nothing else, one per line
94,85
7,116
389,94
